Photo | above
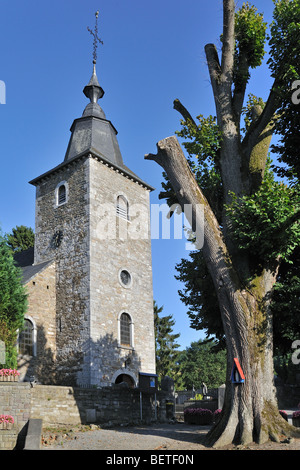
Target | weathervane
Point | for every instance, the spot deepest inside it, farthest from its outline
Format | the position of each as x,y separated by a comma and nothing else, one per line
96,38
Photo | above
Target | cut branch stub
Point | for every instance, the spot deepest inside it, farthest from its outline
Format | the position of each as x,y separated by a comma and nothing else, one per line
171,158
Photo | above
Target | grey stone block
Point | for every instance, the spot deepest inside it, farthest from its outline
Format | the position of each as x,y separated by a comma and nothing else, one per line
34,434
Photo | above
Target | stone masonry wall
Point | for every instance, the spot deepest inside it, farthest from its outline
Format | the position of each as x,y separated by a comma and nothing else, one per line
42,313
15,400
57,405
72,262
116,405
125,245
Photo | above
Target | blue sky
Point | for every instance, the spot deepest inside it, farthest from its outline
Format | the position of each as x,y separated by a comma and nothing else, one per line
153,53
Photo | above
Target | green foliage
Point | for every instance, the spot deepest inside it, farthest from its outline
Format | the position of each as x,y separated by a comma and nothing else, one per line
284,41
264,224
285,68
250,36
202,143
20,239
260,222
199,363
247,111
285,369
198,396
287,149
285,305
13,302
165,344
200,296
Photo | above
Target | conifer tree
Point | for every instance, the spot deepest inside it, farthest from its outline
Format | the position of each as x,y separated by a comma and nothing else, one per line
165,344
20,239
13,303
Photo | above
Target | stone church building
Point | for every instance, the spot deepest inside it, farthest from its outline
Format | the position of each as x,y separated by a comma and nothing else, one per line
89,277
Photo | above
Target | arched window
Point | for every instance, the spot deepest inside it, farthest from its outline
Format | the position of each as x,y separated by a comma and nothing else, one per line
125,330
62,194
122,208
26,339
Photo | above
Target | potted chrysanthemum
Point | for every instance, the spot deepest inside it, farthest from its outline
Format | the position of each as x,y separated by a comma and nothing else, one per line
9,375
6,422
197,416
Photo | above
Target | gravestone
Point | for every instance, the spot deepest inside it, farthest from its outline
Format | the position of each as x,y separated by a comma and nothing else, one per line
2,352
221,395
167,385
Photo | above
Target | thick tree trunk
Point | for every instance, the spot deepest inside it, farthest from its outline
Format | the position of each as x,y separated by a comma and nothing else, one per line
250,411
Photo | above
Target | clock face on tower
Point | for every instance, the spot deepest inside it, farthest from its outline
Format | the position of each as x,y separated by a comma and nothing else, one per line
57,238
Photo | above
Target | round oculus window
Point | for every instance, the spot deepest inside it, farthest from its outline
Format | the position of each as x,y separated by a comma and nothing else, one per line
125,278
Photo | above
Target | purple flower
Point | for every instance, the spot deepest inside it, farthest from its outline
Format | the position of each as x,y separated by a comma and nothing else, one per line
197,412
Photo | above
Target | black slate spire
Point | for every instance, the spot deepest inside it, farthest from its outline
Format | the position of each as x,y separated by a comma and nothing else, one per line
93,132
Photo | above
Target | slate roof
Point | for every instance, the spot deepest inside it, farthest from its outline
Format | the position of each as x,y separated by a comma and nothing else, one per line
25,260
93,134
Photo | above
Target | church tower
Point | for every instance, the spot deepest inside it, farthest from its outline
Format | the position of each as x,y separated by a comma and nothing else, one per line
93,223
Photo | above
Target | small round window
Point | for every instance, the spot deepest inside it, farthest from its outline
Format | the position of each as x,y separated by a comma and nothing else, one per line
125,278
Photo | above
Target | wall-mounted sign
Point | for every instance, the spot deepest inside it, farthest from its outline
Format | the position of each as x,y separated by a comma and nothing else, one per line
148,382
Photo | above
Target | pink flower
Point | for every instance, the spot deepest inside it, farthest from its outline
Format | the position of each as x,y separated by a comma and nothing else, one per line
6,419
7,372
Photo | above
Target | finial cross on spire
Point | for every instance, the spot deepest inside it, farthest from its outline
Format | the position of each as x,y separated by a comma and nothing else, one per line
96,38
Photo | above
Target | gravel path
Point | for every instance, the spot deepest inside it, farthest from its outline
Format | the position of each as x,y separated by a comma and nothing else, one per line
154,437
158,437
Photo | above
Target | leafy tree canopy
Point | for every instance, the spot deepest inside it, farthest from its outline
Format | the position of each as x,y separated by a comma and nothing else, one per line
200,363
284,64
264,221
261,223
20,239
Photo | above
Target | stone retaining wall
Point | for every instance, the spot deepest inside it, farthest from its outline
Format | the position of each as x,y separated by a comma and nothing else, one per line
116,405
8,439
56,405
15,400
